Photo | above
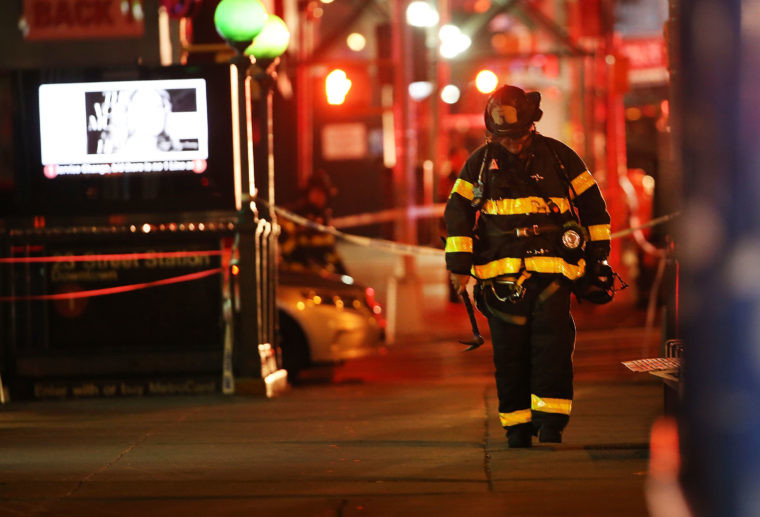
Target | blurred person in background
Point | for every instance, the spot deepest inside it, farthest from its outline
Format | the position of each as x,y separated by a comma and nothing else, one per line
304,248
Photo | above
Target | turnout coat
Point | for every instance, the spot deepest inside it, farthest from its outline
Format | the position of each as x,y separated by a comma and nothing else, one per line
527,203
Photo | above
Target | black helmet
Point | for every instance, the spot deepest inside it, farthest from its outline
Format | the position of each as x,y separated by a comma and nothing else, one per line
321,180
511,112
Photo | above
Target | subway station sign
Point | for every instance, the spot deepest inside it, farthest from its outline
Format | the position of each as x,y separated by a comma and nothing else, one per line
182,315
82,19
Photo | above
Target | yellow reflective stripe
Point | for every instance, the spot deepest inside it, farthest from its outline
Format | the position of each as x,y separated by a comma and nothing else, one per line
582,182
463,188
599,232
555,265
522,416
523,205
503,266
511,265
548,405
459,244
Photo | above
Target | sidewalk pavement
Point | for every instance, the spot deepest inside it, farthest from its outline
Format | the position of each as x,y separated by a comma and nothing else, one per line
412,431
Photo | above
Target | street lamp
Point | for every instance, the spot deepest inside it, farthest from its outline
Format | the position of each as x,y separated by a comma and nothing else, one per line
266,49
272,41
239,23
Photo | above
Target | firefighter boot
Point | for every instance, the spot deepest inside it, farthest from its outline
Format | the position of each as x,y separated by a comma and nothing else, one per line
549,435
519,436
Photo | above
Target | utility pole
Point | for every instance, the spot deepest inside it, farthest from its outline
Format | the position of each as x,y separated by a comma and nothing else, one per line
616,154
404,289
406,142
440,129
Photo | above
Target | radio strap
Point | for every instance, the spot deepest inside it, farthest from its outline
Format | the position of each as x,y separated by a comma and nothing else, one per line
564,176
478,191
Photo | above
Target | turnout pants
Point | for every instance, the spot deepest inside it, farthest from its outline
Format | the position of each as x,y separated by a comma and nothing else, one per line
533,341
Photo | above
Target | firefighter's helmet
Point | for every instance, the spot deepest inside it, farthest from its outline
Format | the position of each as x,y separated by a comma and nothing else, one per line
321,180
511,112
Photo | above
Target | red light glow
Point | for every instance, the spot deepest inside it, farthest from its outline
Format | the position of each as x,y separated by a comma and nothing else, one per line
486,81
337,85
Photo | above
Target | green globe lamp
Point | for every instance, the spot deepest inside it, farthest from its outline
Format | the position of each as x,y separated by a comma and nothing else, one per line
272,41
238,22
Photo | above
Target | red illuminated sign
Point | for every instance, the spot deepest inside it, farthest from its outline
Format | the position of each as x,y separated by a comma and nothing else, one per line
646,60
82,19
644,52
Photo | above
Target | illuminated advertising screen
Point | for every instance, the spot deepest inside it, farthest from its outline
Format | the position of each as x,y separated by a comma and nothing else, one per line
158,141
127,127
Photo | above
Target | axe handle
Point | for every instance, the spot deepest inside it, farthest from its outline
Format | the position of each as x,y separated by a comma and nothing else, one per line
470,312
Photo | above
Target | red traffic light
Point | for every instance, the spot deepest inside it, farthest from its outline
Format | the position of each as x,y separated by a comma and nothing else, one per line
337,85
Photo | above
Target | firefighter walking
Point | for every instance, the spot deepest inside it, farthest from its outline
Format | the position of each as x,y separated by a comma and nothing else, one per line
527,220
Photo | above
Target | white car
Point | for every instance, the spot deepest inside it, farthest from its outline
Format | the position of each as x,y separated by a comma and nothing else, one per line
325,319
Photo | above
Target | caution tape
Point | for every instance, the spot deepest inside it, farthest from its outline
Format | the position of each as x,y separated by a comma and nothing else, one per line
409,249
114,290
393,214
107,257
386,245
649,224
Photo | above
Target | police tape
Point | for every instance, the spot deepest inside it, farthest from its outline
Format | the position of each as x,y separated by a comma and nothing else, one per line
654,222
383,244
111,257
419,211
392,214
105,257
114,290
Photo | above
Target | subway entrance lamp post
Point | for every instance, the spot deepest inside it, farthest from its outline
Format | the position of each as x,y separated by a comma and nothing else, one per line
250,367
266,50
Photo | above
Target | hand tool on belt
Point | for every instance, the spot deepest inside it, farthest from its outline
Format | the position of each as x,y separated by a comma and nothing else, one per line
477,339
